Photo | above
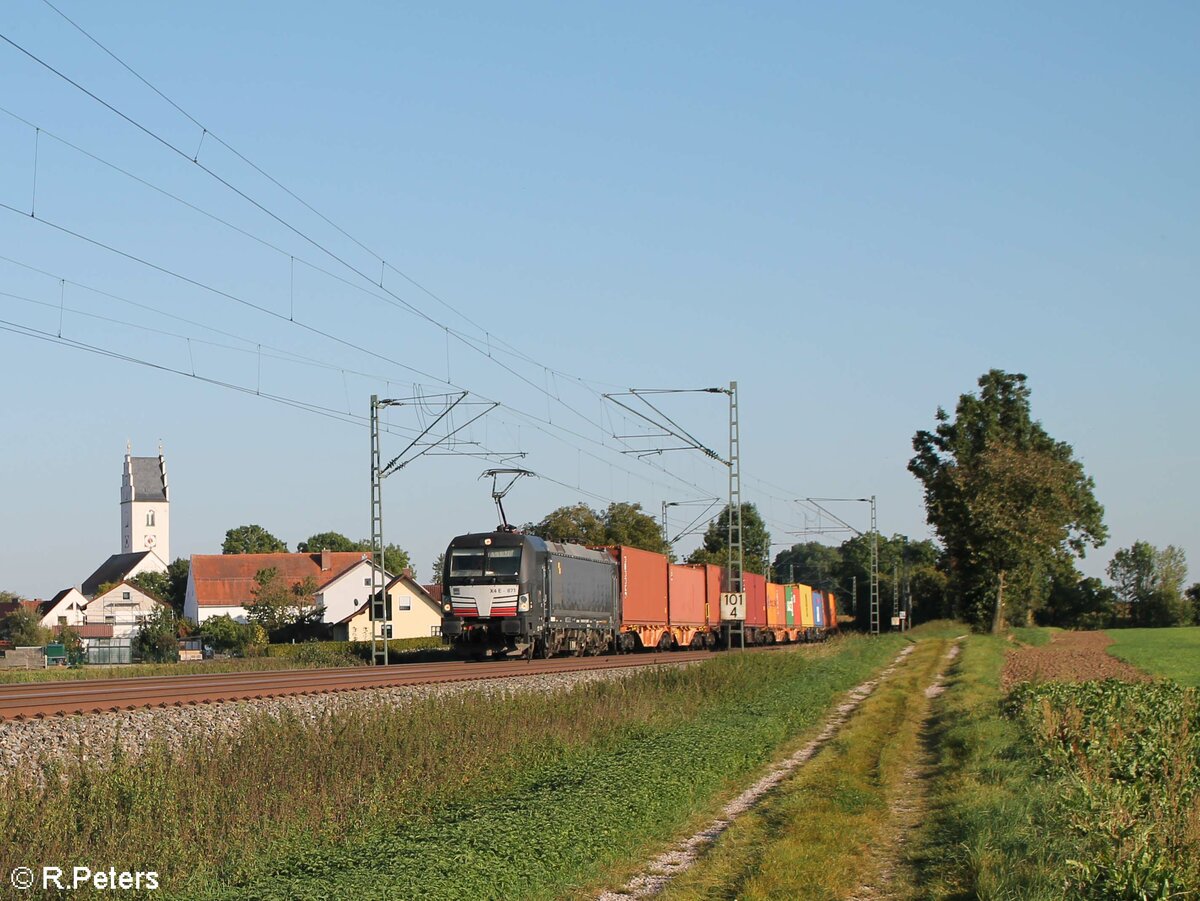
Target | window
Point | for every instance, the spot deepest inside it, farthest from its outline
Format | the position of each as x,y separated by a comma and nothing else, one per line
367,581
110,618
403,602
62,620
150,517
500,561
124,595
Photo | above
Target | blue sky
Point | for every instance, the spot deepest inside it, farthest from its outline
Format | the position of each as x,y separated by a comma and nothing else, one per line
852,210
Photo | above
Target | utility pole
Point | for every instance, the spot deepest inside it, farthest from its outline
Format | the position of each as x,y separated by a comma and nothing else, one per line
854,597
736,553
896,594
379,606
874,570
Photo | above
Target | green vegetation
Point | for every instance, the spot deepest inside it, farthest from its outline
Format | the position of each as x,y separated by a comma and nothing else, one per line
1011,505
819,834
456,796
1174,653
1033,635
621,523
756,541
985,834
1126,760
1150,583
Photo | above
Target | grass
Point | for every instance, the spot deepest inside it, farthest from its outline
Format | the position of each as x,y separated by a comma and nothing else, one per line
986,832
1173,653
1034,635
308,655
816,836
455,797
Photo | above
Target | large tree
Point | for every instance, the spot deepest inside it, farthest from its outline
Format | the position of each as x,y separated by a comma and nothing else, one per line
756,541
1150,581
620,523
252,539
1008,501
23,627
170,586
328,541
277,605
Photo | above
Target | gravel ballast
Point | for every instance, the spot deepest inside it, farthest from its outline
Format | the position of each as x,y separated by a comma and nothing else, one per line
97,736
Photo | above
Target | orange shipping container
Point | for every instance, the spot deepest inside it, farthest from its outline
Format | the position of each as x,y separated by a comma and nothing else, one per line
830,610
776,606
643,586
687,588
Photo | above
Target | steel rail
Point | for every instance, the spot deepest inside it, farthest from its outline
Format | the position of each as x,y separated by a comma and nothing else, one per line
28,700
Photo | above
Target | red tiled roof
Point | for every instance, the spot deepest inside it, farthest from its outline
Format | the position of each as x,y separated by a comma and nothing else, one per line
89,630
434,591
227,580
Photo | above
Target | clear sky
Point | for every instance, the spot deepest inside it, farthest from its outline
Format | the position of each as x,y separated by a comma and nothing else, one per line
854,210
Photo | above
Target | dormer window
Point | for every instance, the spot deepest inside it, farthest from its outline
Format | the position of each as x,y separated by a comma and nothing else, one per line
150,518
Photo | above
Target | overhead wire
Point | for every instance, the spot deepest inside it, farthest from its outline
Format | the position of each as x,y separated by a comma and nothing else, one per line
467,340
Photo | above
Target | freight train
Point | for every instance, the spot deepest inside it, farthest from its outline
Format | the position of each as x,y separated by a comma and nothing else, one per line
508,594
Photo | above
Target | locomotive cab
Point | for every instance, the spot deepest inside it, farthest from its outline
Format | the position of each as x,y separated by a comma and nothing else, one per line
506,594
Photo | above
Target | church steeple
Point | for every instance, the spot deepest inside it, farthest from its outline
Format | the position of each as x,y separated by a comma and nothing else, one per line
145,505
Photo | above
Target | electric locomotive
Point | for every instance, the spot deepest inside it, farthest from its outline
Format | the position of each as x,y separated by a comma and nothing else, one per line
508,594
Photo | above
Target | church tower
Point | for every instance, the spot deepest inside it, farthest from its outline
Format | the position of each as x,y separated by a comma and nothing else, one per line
145,506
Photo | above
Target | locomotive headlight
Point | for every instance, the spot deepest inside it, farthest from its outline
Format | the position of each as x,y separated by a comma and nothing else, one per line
523,603
446,606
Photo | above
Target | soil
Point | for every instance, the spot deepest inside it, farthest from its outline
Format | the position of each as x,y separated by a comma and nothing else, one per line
1069,657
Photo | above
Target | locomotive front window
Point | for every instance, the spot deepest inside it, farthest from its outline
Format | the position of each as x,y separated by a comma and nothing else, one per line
466,562
503,561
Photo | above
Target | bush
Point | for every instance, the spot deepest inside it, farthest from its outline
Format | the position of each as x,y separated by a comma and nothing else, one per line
361,650
157,641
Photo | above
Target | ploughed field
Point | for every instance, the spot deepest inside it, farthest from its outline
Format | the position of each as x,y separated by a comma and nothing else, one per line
932,764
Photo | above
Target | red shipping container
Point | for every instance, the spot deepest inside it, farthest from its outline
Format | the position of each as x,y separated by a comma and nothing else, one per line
687,586
714,578
755,587
643,586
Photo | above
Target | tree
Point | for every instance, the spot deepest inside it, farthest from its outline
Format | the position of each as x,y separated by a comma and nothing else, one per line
157,640
278,607
1193,595
72,643
1006,500
1150,582
252,539
227,636
395,558
621,523
756,541
576,524
438,566
809,562
157,584
23,627
628,525
9,597
331,541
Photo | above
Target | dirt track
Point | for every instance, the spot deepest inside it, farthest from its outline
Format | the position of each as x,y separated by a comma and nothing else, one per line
1069,657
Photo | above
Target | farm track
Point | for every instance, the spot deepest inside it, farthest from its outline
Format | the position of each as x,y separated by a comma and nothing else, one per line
32,700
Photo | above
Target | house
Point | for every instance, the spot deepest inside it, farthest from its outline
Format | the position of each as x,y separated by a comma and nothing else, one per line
64,609
413,614
121,568
220,584
124,607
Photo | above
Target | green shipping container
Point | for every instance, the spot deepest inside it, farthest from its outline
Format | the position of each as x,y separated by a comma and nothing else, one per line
790,604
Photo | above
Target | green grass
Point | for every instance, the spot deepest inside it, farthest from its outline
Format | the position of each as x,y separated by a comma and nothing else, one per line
986,834
815,836
1173,653
454,797
1034,635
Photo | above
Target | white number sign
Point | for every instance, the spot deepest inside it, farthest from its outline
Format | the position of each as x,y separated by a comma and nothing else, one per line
733,605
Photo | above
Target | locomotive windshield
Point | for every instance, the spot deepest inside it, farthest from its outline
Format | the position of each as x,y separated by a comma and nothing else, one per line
479,561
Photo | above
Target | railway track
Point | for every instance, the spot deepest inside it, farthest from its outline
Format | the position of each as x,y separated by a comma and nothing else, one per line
30,700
